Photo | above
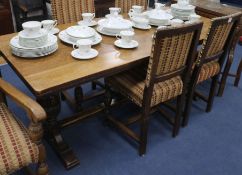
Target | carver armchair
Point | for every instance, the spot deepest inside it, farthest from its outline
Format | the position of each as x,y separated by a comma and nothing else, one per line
19,146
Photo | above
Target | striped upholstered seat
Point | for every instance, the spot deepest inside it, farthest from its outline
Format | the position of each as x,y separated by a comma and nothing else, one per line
66,11
132,85
208,70
16,148
126,5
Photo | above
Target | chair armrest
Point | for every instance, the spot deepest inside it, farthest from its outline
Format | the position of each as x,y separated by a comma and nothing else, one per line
33,109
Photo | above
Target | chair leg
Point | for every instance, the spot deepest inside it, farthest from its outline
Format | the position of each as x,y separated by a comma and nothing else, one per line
238,74
225,75
188,106
212,93
36,134
143,134
179,108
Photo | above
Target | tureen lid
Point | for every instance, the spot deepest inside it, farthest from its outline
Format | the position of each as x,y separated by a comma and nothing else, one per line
80,31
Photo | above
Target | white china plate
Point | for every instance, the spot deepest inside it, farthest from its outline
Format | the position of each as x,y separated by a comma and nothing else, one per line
142,28
34,54
100,30
65,38
84,56
14,42
131,45
54,31
82,23
159,24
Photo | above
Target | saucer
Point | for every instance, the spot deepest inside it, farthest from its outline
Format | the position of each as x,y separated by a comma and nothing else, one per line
54,31
82,23
65,38
112,16
131,45
84,56
142,28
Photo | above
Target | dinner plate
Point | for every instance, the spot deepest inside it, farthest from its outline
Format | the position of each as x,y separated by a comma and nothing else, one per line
14,42
34,54
100,30
65,38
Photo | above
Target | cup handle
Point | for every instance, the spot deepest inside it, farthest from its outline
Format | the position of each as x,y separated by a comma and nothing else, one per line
75,46
131,10
118,36
55,24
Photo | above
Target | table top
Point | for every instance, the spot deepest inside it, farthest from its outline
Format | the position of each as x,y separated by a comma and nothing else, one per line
60,70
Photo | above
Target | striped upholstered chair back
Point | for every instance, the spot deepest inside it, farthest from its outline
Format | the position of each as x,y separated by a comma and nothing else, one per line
215,46
172,52
126,5
66,11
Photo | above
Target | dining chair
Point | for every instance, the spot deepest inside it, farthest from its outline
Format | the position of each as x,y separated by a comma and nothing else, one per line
164,79
67,11
19,146
126,5
210,59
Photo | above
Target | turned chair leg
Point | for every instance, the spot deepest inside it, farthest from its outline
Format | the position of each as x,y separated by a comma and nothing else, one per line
36,134
212,93
238,74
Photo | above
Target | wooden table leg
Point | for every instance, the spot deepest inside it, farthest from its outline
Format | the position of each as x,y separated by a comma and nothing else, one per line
52,105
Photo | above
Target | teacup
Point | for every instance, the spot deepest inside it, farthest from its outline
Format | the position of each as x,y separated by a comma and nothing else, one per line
176,22
159,6
114,11
83,45
140,22
183,2
88,17
49,24
125,36
136,9
194,17
31,27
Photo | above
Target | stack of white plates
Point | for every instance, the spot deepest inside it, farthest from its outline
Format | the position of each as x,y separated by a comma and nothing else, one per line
113,26
33,52
182,12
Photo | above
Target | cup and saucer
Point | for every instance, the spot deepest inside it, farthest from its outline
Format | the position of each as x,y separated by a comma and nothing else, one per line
125,40
87,20
141,23
83,51
50,26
